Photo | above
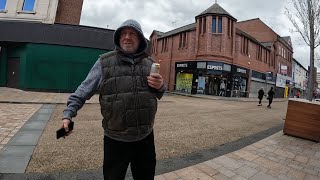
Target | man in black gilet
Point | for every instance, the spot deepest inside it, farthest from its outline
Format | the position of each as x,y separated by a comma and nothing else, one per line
128,101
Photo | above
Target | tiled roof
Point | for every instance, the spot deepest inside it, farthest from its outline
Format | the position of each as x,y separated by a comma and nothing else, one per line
216,9
178,30
267,44
286,38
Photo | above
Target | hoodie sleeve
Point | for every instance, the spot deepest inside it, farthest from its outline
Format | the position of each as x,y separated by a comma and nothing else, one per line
84,92
161,91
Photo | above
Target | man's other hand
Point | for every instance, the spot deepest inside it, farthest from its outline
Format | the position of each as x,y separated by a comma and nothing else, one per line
65,125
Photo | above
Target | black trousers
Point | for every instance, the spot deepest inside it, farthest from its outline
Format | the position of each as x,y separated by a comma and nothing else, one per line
141,156
270,101
260,99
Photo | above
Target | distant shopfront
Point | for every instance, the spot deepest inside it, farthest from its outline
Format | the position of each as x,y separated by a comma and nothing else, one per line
240,81
283,83
207,77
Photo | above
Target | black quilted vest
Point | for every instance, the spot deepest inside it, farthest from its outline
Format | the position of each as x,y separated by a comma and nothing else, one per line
128,105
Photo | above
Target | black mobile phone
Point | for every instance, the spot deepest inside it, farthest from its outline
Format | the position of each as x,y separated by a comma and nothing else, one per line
62,132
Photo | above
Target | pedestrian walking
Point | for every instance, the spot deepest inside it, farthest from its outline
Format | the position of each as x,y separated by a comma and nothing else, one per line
128,102
222,88
260,96
270,97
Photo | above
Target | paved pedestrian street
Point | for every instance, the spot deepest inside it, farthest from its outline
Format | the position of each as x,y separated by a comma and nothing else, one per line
200,137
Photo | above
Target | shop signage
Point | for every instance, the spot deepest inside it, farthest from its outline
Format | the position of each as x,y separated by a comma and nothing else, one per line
284,69
282,80
269,76
241,70
182,65
213,67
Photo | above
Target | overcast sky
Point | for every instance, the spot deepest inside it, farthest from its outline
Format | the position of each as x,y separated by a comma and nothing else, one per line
166,15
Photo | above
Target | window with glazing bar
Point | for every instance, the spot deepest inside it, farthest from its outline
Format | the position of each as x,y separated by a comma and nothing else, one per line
28,5
3,4
220,25
214,19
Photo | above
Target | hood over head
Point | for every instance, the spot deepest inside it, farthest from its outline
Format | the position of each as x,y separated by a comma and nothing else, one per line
136,26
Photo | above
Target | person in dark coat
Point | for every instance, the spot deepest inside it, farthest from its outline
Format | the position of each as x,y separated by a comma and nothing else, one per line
270,97
260,96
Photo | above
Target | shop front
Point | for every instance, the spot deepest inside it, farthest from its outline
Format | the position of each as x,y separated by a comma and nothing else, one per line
204,77
185,73
240,81
218,79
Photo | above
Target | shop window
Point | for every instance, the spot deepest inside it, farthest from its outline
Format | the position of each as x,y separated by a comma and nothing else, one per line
184,82
220,25
28,5
214,19
239,86
3,4
258,75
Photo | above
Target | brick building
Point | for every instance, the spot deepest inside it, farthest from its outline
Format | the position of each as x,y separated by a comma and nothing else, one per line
217,55
44,11
69,12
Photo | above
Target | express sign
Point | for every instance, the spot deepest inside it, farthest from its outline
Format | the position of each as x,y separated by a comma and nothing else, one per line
213,67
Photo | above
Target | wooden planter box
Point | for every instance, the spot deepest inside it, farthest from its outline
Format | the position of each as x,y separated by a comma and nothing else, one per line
303,120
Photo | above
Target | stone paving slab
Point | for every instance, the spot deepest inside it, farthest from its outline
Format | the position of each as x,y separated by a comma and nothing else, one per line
11,164
25,138
18,146
12,118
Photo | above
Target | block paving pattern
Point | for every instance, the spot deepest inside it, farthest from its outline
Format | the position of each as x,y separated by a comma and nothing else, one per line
276,157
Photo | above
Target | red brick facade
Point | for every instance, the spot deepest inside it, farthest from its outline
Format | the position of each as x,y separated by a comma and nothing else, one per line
69,12
281,50
250,44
